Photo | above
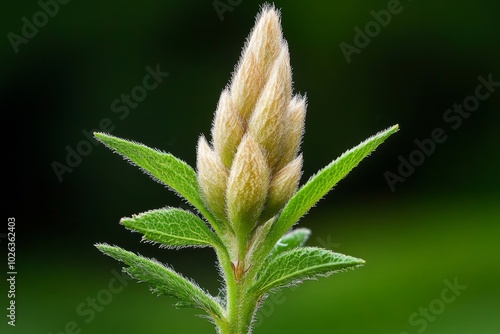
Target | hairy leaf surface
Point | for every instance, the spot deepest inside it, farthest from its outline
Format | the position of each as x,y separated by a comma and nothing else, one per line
298,264
164,281
163,167
172,227
321,183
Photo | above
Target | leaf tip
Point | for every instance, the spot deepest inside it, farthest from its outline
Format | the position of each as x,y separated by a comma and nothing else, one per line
103,137
101,246
125,220
99,135
357,262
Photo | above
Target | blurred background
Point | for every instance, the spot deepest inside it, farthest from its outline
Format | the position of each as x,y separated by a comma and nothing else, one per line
423,219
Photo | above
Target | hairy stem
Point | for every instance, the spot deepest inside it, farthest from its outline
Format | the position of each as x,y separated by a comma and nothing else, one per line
241,304
240,308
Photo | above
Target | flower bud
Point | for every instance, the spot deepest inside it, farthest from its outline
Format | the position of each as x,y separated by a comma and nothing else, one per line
247,187
283,185
261,49
267,123
212,178
296,115
227,129
253,168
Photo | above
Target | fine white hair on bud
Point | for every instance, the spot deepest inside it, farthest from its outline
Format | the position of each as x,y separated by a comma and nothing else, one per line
212,178
227,129
246,85
261,50
283,185
296,116
252,168
247,186
266,38
267,123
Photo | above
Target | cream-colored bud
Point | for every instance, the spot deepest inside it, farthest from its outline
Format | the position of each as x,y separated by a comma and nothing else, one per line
267,123
246,86
260,51
256,136
283,185
227,129
247,187
212,178
266,37
296,116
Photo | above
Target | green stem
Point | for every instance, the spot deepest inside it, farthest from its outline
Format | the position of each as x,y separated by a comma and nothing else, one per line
240,308
240,313
240,303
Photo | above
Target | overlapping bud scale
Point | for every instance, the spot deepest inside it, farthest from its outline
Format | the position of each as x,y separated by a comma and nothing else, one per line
252,167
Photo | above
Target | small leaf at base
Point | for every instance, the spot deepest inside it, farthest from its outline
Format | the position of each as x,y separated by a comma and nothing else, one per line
291,240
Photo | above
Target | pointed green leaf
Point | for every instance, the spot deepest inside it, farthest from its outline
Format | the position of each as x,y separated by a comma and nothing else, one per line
291,240
162,167
299,264
321,183
172,227
164,281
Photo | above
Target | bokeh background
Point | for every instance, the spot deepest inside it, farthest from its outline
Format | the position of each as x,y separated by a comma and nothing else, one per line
440,225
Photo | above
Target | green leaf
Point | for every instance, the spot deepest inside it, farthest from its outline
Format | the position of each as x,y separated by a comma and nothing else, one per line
321,183
162,167
172,227
299,264
164,281
291,240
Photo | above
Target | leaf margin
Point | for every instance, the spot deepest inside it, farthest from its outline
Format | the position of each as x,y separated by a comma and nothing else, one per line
264,284
153,235
190,192
207,302
290,214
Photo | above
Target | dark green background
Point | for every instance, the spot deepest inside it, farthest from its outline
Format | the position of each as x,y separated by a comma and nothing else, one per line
441,224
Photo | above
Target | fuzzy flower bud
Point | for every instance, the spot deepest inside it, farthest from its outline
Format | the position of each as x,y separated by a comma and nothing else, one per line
267,123
296,115
261,50
227,129
212,178
283,185
253,168
247,186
